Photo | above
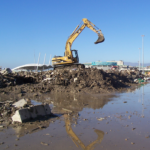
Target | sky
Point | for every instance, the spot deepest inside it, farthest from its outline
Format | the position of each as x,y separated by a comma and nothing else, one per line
30,27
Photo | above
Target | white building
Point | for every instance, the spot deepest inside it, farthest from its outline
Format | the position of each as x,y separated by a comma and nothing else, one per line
119,63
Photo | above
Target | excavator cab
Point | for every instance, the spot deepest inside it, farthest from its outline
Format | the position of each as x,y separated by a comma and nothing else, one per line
75,56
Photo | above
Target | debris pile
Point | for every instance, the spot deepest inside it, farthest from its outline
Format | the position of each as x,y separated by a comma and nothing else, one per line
6,110
22,111
86,79
73,80
6,71
133,73
7,78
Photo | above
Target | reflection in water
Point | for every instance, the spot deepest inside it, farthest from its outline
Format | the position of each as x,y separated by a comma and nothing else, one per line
74,104
76,139
27,129
78,102
33,102
139,95
75,108
143,101
141,98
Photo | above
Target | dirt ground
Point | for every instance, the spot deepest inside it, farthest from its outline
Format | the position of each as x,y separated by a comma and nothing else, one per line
85,121
91,109
87,80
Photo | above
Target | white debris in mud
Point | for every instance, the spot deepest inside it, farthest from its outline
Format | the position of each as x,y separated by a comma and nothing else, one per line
21,103
32,112
100,119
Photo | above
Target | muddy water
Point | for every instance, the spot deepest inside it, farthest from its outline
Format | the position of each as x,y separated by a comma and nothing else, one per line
86,122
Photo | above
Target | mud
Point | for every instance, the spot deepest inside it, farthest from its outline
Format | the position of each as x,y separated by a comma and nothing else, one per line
69,81
86,121
92,109
30,85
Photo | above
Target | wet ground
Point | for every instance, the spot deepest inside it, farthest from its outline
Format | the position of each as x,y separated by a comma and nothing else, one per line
116,121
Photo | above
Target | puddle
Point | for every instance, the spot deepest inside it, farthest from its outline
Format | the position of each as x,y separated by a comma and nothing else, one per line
89,122
35,102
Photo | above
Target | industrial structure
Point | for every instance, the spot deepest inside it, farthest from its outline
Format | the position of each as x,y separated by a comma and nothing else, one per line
119,62
33,67
104,65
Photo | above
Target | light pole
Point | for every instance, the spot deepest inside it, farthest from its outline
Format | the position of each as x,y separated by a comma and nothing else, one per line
139,57
143,50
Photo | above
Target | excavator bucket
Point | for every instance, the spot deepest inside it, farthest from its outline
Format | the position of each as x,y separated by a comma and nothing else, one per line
100,39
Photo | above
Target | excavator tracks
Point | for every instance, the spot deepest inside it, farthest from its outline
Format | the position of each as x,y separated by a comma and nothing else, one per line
69,66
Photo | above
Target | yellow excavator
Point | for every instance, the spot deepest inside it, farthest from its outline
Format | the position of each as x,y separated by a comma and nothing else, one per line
76,139
70,57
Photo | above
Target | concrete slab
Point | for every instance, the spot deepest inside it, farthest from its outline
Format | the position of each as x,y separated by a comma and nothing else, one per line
33,112
40,110
47,109
25,114
21,115
20,103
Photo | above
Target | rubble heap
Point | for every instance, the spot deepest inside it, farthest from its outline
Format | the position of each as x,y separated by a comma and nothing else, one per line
11,79
86,79
74,80
22,110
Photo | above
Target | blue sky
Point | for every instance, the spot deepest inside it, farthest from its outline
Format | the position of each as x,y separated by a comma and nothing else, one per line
29,27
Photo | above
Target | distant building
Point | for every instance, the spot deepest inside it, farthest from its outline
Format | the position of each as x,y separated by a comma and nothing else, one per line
119,63
89,64
32,67
101,63
104,65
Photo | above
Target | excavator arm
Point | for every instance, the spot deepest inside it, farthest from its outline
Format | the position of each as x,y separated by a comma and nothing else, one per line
85,23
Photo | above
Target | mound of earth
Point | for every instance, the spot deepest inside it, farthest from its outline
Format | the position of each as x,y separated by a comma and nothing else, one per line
75,80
